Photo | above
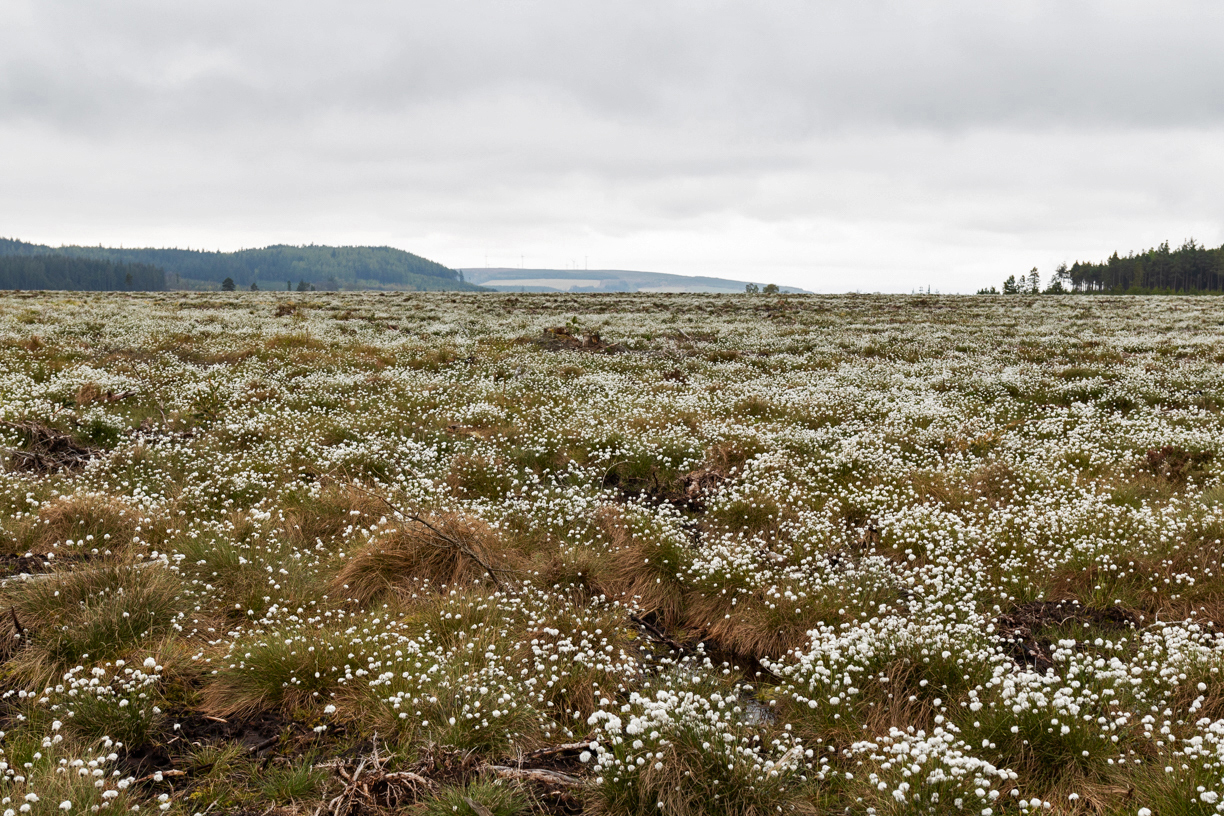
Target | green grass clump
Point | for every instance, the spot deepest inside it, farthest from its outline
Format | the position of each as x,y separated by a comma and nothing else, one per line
293,782
477,798
91,614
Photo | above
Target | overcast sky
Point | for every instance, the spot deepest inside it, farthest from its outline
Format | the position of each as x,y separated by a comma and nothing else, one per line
863,145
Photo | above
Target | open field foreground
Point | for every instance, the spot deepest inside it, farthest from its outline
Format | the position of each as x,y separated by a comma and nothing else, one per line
354,554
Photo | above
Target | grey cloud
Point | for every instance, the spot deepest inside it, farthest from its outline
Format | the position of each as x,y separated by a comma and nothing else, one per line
793,66
941,139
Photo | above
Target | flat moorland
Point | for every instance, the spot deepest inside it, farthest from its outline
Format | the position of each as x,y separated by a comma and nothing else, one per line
623,554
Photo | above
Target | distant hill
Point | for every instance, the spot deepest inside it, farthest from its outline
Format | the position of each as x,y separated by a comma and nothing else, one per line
272,267
47,271
506,279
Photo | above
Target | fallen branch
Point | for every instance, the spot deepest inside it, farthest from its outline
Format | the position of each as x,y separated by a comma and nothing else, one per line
45,449
259,746
553,750
477,808
408,776
28,577
658,635
539,775
158,776
357,795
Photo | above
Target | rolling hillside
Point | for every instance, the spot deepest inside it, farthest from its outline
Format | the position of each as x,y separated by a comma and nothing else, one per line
273,267
506,279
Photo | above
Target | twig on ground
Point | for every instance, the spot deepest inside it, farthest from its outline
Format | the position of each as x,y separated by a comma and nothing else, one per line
539,775
477,808
658,635
553,750
259,746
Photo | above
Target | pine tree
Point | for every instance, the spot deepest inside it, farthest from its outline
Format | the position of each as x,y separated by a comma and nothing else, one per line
1034,282
227,285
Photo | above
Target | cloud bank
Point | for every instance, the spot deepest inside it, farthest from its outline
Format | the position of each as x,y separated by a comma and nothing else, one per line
870,146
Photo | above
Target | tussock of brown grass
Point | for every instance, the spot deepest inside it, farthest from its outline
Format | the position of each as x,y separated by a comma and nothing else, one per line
751,628
445,549
310,520
748,629
878,707
88,394
90,612
727,457
579,569
108,520
992,484
642,570
476,476
295,341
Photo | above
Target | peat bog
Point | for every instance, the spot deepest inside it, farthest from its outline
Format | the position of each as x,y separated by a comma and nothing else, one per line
447,553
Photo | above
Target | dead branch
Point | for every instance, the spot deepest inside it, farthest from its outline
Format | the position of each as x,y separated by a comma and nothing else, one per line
158,776
259,746
369,783
553,750
538,775
408,776
477,808
46,450
658,635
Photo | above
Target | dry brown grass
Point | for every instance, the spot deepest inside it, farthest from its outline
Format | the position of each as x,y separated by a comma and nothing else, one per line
88,394
759,624
727,457
992,484
1198,555
89,612
581,570
749,628
642,569
94,519
444,549
324,518
471,476
878,707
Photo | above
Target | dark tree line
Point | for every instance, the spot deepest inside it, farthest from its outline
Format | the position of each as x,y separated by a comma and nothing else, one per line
78,274
1160,270
325,267
1189,268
